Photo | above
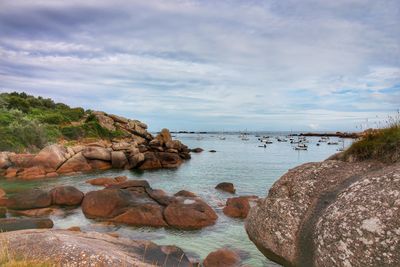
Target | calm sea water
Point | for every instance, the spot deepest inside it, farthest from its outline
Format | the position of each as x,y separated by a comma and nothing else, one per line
251,168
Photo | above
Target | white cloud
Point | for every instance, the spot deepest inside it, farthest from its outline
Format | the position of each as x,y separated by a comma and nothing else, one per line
251,62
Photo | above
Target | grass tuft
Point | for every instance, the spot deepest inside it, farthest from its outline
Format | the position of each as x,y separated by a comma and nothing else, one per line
9,260
379,144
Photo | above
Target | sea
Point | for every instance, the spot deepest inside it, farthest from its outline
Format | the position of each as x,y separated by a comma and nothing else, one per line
250,166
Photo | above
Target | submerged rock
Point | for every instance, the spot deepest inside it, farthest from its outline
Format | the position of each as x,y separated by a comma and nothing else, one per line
74,248
323,214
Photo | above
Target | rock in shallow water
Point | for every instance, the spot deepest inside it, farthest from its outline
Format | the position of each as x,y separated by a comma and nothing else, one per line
66,196
38,198
14,224
331,213
226,187
222,258
238,207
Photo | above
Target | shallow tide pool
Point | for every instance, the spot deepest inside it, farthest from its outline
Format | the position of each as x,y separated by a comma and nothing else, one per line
251,168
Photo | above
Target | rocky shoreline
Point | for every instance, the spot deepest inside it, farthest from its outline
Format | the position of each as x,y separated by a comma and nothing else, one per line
121,201
139,150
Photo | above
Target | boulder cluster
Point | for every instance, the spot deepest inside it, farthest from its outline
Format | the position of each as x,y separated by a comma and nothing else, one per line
140,150
134,202
131,202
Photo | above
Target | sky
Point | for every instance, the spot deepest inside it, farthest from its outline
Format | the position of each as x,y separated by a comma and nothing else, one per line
209,65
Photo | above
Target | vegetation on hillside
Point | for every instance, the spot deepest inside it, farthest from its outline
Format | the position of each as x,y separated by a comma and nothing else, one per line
28,123
382,144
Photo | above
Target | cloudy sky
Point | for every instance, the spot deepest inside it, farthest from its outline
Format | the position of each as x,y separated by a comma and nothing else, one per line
209,65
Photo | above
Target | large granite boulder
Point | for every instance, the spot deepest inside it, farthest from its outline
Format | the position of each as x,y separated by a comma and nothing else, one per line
106,203
50,158
95,152
118,159
74,248
21,160
104,120
189,213
38,198
66,196
29,199
164,136
151,161
78,163
331,213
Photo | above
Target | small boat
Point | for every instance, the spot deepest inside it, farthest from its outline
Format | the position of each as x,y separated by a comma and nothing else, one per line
300,148
333,143
222,138
323,139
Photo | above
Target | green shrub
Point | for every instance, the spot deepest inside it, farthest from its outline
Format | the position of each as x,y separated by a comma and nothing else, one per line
73,132
74,114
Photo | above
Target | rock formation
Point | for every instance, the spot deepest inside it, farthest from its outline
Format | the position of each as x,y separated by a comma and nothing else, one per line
138,150
331,213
